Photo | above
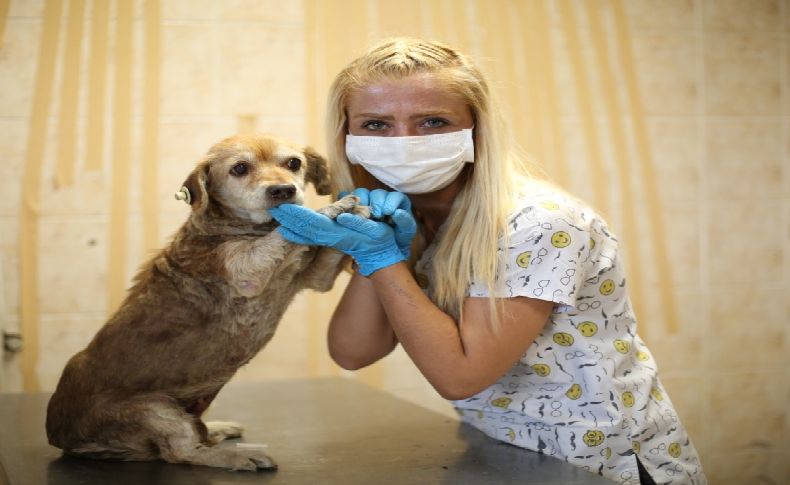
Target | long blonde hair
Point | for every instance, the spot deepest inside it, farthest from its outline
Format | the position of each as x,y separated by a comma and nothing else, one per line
468,249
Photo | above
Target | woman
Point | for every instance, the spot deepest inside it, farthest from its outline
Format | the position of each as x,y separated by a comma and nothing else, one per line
516,309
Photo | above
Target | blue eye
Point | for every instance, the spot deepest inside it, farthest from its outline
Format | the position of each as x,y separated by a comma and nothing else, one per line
435,123
374,125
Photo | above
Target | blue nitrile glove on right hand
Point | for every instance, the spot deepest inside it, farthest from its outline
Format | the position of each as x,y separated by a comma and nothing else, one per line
372,244
397,205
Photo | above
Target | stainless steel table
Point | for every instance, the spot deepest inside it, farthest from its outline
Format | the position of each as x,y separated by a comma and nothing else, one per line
320,431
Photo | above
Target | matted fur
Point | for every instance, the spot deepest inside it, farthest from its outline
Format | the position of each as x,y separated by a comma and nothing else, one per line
199,310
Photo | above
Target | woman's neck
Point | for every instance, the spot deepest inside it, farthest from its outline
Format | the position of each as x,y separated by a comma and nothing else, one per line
434,208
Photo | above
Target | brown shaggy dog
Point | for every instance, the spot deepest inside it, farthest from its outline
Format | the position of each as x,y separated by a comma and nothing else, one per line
199,310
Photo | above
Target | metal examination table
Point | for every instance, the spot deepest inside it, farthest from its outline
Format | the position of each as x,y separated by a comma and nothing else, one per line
320,431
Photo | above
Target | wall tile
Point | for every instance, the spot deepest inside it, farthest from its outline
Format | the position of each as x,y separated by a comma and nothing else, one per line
785,153
675,149
180,10
680,241
222,60
18,61
747,330
733,397
26,8
254,80
578,161
679,355
565,74
554,12
743,15
189,69
272,11
786,224
61,338
72,265
746,246
666,15
13,133
90,194
752,467
9,254
666,66
743,74
744,158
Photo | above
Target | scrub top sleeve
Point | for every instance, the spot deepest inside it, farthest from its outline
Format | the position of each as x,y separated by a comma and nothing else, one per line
545,258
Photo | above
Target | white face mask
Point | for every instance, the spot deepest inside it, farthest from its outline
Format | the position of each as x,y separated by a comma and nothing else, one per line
413,164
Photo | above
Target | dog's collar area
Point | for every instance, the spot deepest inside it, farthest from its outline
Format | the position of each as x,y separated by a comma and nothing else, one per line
266,226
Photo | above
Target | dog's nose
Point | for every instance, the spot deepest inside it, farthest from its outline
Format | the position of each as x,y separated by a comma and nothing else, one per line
281,192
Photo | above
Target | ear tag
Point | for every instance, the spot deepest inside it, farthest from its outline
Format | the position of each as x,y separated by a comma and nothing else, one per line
183,194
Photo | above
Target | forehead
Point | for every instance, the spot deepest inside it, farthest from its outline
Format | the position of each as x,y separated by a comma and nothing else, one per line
254,147
420,93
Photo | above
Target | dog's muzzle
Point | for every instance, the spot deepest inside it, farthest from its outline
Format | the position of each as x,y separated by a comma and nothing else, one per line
281,192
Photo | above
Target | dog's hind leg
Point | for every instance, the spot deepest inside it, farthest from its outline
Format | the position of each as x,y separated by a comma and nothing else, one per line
150,427
180,440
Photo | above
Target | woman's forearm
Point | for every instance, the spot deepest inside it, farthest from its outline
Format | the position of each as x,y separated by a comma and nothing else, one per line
430,337
359,333
459,359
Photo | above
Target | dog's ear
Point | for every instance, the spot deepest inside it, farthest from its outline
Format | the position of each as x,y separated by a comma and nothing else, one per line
318,172
194,191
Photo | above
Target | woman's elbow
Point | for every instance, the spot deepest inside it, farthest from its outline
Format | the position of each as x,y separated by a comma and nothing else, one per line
353,359
458,391
348,362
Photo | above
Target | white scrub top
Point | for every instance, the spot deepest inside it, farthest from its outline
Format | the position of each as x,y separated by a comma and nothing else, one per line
586,390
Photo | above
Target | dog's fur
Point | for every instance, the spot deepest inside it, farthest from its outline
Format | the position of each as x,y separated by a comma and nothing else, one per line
198,311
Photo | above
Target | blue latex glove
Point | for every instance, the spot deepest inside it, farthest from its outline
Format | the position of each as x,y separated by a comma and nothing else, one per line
397,205
371,244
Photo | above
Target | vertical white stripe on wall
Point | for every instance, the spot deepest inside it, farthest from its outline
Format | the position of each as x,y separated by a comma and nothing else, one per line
121,157
648,182
94,135
584,97
31,192
4,6
69,96
149,154
619,147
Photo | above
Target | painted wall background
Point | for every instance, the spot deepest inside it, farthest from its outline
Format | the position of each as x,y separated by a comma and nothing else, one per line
671,116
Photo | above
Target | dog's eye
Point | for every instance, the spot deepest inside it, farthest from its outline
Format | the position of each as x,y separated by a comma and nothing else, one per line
293,164
240,169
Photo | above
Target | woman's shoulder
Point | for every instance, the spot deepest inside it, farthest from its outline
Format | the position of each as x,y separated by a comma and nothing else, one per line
543,204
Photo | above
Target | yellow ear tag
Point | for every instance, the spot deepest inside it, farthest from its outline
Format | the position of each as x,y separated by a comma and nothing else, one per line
183,194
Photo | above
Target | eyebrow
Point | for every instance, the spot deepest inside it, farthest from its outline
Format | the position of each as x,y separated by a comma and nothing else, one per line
424,114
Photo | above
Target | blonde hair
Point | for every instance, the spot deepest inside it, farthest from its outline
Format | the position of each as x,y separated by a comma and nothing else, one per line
468,249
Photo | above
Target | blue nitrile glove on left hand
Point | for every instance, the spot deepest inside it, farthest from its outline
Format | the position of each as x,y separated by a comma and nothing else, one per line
397,205
372,244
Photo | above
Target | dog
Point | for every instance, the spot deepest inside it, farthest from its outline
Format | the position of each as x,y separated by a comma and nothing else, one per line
199,310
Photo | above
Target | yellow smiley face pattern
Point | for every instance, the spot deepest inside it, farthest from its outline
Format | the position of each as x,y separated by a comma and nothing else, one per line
587,389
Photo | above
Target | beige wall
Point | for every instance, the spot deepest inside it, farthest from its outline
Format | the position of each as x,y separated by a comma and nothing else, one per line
701,203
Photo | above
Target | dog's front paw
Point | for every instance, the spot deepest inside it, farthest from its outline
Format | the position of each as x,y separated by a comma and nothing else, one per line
250,457
361,211
349,203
